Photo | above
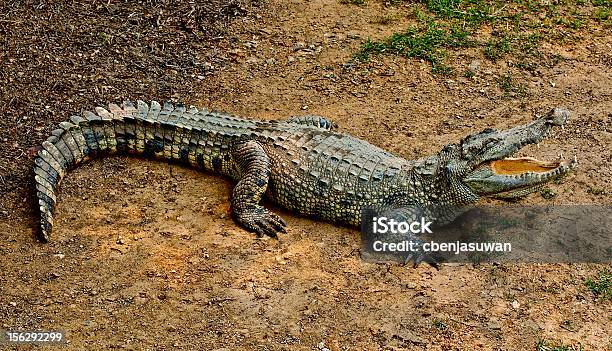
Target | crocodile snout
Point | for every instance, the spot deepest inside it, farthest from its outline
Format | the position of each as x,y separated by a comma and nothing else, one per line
558,116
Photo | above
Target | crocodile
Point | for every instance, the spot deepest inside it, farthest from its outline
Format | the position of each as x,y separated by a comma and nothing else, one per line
303,163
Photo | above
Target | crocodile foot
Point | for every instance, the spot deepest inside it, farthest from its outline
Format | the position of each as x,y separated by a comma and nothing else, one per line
431,259
420,256
261,221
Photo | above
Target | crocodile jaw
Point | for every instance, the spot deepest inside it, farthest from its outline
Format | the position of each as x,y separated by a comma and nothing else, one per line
515,177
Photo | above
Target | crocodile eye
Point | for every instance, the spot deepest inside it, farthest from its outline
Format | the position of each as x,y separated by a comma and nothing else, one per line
490,142
488,131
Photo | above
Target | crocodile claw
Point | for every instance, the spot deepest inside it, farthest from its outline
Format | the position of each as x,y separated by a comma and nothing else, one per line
429,258
261,221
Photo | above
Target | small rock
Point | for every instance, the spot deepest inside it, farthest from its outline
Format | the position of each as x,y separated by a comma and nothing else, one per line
14,304
299,46
494,325
236,52
291,59
305,107
140,300
474,66
60,256
411,285
515,304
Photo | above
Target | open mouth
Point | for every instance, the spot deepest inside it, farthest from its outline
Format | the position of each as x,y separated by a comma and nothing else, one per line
514,177
501,173
512,166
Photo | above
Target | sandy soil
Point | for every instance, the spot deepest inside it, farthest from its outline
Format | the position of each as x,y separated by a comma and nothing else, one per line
144,254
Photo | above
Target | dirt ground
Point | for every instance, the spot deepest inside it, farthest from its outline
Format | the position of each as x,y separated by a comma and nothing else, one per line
144,255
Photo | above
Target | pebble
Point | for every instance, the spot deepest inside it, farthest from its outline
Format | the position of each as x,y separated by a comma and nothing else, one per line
494,325
474,66
321,346
299,46
140,300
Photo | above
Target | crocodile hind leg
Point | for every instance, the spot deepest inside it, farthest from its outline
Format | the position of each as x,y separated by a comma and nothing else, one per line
254,167
311,120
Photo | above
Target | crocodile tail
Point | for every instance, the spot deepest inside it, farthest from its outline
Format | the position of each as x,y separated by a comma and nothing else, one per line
129,128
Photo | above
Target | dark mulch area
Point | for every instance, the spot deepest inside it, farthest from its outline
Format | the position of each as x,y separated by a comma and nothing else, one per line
58,57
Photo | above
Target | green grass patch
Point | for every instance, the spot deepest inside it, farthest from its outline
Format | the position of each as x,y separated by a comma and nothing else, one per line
439,324
517,29
602,285
548,193
545,345
497,48
607,3
595,190
354,2
473,12
424,42
509,85
386,19
602,14
524,48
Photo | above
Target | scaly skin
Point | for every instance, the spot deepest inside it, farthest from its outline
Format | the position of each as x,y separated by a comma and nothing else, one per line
301,163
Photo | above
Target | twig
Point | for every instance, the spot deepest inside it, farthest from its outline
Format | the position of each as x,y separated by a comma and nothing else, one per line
7,104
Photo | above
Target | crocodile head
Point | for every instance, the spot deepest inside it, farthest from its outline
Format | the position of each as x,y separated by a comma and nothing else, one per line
487,167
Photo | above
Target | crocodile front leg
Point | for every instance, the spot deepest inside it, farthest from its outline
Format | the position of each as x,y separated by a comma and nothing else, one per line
409,214
254,167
